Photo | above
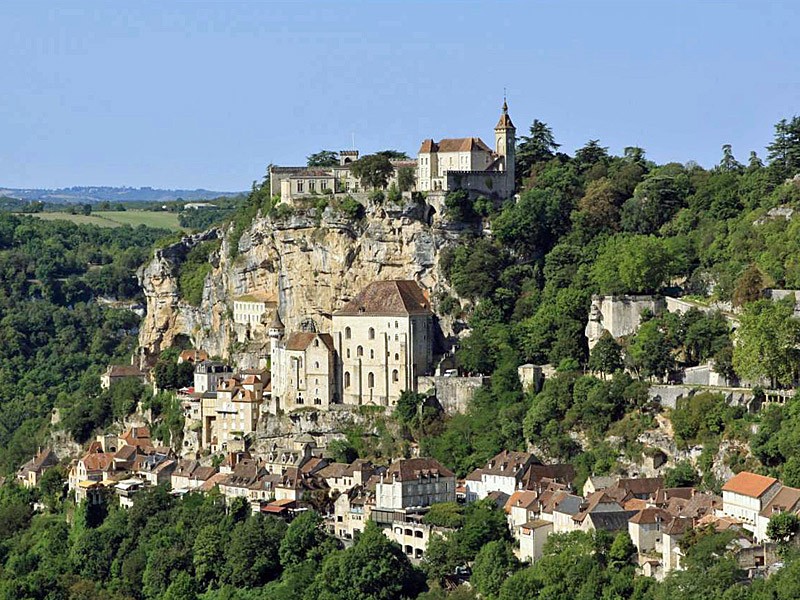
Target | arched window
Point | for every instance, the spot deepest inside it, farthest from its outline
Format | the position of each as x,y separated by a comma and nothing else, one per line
347,333
396,356
348,353
395,376
372,333
347,379
370,380
371,353
360,351
316,364
316,343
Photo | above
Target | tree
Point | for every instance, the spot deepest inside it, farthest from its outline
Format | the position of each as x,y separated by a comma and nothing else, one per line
767,342
591,154
729,162
374,568
305,539
631,265
783,527
323,158
538,146
750,286
406,178
373,170
622,551
407,409
606,355
649,351
208,556
251,557
784,151
342,451
183,587
393,154
493,565
683,474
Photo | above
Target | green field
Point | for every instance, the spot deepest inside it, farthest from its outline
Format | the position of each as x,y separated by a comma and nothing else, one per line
163,220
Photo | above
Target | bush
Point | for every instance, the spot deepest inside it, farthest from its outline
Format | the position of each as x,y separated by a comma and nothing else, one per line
352,208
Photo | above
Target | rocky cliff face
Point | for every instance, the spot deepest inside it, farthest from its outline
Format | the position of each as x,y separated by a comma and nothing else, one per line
313,265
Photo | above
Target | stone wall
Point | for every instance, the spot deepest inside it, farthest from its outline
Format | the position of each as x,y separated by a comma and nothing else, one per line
453,393
619,315
668,395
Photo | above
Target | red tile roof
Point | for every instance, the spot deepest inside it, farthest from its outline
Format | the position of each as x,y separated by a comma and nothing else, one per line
302,339
749,484
413,468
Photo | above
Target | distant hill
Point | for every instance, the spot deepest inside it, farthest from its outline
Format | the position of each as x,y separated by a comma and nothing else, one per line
92,194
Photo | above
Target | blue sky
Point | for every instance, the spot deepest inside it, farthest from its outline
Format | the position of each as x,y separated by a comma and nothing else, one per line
195,94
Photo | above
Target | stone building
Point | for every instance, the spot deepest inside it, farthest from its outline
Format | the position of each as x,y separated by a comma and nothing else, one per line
384,339
468,163
249,311
414,482
232,413
303,369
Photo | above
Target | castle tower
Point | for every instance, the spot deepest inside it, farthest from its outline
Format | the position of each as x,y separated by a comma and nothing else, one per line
275,331
505,144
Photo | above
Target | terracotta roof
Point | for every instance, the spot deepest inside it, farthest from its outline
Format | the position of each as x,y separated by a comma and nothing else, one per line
521,499
99,461
749,484
334,471
678,526
535,474
314,465
126,453
641,486
212,482
508,464
397,297
301,340
635,504
413,468
193,355
785,500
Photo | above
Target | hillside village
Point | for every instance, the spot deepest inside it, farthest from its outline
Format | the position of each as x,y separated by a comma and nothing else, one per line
371,350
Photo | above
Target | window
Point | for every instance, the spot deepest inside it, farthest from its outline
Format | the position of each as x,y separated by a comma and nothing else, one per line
347,333
316,364
395,325
370,380
316,343
395,376
395,337
299,398
372,333
312,186
347,379
396,356
371,353
360,351
299,186
348,353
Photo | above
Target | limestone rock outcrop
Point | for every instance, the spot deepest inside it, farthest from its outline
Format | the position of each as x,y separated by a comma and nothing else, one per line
312,264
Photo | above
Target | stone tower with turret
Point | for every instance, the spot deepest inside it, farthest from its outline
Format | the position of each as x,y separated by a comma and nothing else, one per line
505,144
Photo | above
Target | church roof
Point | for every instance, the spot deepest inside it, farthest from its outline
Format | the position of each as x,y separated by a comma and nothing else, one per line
467,144
392,298
300,340
276,322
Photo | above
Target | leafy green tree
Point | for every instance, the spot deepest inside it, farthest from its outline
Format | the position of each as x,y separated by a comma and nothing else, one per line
631,265
183,587
750,286
374,568
784,151
783,527
251,557
323,158
342,451
729,162
305,539
606,355
445,514
494,563
406,178
767,342
622,551
374,170
208,556
683,474
649,351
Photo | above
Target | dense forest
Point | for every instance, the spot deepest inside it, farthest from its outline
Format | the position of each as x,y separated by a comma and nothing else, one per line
584,224
55,337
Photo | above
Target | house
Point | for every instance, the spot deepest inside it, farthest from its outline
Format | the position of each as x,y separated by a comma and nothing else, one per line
94,467
598,482
502,473
208,374
560,507
115,373
384,341
303,369
155,469
341,477
138,437
237,484
671,554
127,489
646,528
190,475
522,506
600,511
786,500
279,459
293,484
411,534
746,494
231,413
351,511
640,487
414,482
531,537
31,472
468,163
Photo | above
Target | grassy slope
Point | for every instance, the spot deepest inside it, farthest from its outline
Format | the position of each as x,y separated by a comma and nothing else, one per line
164,220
